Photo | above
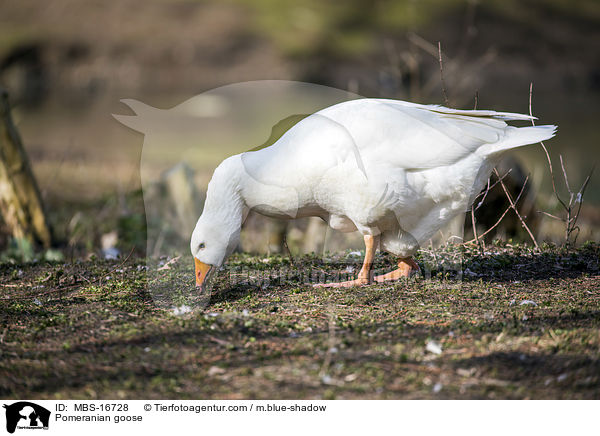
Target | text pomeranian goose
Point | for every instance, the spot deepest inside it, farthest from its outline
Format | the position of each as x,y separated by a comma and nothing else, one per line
395,171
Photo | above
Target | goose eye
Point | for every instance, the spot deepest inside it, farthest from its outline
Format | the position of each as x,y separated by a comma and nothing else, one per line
201,246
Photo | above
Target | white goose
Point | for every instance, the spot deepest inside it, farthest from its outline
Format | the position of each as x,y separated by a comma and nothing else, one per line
395,171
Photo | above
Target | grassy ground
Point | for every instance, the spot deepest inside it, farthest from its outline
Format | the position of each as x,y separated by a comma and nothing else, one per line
517,324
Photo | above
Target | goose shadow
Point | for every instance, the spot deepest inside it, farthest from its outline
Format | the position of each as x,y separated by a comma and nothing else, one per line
507,267
493,267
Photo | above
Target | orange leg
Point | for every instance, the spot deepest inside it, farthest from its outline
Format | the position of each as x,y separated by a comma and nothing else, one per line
406,267
364,276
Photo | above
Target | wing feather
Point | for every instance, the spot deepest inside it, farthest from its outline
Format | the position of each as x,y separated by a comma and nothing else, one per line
413,136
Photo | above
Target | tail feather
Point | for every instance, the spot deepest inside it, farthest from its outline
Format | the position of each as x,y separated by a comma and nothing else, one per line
506,116
519,136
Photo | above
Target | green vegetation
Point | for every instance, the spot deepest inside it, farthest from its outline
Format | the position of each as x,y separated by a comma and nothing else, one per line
519,324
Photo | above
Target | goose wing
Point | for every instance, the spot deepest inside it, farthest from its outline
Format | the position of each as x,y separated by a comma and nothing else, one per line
413,136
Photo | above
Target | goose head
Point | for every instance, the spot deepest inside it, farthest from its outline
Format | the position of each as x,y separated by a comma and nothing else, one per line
211,244
217,231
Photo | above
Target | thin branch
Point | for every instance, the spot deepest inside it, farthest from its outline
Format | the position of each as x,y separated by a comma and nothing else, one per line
514,207
562,165
545,151
503,214
484,193
423,44
551,216
474,223
491,228
581,192
442,74
287,249
576,234
579,199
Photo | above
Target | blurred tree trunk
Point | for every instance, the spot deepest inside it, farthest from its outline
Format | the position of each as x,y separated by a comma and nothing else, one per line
20,200
182,194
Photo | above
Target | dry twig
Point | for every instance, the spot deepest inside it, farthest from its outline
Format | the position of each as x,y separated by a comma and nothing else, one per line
503,214
481,242
514,208
446,103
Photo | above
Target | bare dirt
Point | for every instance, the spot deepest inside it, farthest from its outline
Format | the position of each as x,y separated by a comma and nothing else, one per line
518,324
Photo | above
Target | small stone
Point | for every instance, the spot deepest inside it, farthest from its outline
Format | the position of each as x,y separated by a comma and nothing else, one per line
434,347
351,377
181,310
215,370
465,372
111,253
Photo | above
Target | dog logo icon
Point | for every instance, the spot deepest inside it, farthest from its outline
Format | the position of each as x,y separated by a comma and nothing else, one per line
26,415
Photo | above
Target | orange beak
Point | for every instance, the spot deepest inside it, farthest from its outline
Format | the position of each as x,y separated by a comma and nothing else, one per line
202,271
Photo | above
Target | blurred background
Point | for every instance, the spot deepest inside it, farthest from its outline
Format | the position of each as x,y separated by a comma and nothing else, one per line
68,63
